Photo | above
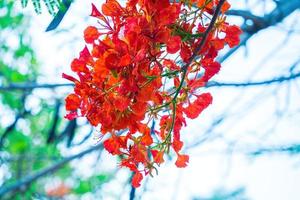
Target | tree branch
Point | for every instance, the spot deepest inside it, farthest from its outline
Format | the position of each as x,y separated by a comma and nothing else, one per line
52,132
292,149
30,86
51,169
8,130
209,84
132,189
246,15
282,10
258,83
199,47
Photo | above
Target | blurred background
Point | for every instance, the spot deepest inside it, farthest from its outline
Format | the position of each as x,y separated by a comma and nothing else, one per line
246,145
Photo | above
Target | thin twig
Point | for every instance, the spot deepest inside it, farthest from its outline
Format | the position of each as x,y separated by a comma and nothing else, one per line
31,86
279,79
199,47
258,83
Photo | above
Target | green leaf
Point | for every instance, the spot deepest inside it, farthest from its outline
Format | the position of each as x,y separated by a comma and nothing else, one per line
24,3
102,178
51,5
18,142
12,100
83,187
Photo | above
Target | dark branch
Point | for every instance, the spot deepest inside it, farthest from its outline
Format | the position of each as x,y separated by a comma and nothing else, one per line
282,10
68,132
132,190
23,183
258,83
246,15
52,131
209,84
199,47
85,138
292,149
8,130
205,35
30,86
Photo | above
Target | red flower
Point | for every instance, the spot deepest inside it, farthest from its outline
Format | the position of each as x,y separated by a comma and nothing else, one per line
112,145
72,102
173,45
194,109
182,160
232,35
158,156
136,179
211,68
123,77
112,8
91,34
96,13
78,66
177,144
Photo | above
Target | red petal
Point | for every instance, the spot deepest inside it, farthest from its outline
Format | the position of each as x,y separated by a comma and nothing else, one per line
136,179
232,35
185,53
121,103
195,108
112,145
71,115
211,68
218,43
112,61
177,145
140,55
171,64
125,60
225,7
96,13
72,102
112,8
147,139
173,45
91,34
78,66
128,164
158,156
182,161
85,56
70,78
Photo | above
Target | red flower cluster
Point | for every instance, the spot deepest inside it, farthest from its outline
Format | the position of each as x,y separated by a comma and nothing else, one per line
128,76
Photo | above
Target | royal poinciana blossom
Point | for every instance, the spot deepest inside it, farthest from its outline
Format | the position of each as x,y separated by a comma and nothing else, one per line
138,67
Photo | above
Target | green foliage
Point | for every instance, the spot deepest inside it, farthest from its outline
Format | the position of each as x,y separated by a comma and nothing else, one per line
24,147
89,185
18,63
18,142
23,150
6,19
51,5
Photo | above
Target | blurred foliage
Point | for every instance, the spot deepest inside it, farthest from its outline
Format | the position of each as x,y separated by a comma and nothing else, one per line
51,5
88,185
25,129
